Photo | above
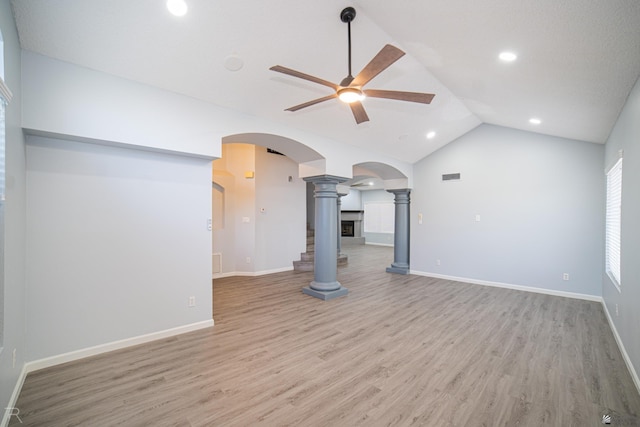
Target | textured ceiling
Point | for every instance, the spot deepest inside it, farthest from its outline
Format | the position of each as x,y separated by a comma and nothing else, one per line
577,60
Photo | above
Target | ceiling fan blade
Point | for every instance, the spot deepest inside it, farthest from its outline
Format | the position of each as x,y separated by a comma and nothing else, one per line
358,112
298,74
387,56
424,98
313,102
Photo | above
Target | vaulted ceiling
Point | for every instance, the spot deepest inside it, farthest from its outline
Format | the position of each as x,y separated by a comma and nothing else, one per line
577,60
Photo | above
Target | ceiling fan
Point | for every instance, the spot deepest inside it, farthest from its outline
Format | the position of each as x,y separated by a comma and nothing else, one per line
350,90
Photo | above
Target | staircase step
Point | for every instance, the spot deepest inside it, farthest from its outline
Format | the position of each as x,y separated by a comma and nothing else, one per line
303,265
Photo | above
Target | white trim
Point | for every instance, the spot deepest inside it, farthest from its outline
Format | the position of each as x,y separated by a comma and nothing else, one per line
14,396
115,345
5,93
625,355
252,273
510,286
389,245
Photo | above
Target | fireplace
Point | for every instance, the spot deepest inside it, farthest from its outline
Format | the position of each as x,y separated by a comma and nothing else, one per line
347,228
351,227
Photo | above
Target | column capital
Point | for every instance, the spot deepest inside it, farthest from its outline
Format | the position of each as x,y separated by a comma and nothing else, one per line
402,195
397,191
325,179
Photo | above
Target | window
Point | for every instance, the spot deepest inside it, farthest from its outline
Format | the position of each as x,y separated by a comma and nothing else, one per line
5,98
2,191
613,222
379,217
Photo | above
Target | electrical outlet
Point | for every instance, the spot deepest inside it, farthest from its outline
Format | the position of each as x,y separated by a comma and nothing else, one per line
437,262
14,357
617,312
248,260
192,301
477,217
565,276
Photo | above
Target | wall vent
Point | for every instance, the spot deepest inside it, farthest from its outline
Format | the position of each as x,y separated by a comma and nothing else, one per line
450,176
217,263
272,151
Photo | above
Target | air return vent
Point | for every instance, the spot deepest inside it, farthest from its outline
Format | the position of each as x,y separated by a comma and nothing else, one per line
450,176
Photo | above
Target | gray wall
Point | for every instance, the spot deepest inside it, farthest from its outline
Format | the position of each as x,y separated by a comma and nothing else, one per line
15,215
626,136
352,201
541,206
117,242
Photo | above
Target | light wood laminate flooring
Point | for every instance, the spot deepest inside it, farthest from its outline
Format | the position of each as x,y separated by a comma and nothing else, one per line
397,351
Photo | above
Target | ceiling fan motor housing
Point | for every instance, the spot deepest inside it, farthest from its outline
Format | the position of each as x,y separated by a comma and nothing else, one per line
348,14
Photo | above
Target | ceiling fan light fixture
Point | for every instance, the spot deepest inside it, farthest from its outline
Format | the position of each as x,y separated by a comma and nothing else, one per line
177,7
349,95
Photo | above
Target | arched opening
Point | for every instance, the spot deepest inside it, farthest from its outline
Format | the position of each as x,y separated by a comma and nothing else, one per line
259,203
375,211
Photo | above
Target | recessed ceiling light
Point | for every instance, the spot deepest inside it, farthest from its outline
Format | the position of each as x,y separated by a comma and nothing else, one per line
508,56
431,135
535,121
370,183
233,62
177,7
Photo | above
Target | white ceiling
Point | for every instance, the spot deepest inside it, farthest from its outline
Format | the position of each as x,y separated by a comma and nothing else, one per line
577,60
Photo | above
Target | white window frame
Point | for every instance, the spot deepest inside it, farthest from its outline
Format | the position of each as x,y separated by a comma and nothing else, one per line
5,98
613,223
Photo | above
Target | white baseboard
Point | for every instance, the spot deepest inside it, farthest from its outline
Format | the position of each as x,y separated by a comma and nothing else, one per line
252,273
389,245
115,345
625,355
510,286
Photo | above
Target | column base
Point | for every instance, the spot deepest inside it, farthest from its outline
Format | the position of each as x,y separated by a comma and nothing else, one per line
325,295
398,270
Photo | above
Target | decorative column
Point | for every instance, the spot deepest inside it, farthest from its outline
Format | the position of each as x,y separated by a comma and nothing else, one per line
401,232
325,284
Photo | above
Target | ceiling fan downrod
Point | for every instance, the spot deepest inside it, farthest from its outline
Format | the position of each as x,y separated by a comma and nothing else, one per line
347,15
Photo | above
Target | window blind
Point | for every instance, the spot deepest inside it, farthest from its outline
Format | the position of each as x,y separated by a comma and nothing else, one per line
613,221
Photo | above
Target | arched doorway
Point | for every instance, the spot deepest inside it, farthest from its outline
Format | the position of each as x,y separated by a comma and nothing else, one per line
262,203
378,194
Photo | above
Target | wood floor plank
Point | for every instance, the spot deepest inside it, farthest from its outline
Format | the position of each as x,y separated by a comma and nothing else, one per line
398,350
